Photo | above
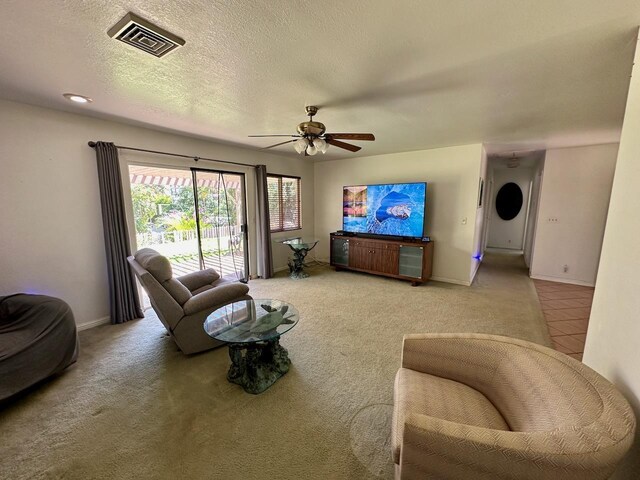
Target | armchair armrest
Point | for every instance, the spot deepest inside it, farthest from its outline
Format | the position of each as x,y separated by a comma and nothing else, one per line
195,280
465,451
216,296
442,354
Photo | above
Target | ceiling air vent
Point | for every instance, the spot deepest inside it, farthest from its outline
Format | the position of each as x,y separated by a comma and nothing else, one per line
144,35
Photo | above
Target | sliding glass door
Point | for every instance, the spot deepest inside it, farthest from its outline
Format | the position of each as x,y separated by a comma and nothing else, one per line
220,216
196,218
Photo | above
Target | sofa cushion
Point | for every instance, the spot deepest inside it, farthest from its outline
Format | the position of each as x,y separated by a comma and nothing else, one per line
202,289
225,281
425,394
215,297
155,264
196,280
177,290
216,283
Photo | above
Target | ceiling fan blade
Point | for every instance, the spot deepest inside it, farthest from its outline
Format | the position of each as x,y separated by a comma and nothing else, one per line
278,144
346,146
353,136
277,135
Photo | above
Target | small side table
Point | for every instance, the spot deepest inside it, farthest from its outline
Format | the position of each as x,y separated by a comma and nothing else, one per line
300,247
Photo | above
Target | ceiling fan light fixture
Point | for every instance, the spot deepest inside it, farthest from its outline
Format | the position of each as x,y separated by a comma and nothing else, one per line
300,145
321,145
312,149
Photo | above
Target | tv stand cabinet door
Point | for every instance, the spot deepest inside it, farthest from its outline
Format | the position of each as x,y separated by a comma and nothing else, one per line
339,252
385,258
359,256
411,261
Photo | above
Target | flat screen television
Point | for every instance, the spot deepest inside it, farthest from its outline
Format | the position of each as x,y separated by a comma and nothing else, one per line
396,209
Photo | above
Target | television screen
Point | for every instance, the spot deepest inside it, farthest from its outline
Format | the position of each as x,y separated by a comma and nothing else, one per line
386,209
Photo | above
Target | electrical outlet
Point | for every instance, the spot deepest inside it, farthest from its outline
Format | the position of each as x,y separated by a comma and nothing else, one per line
565,268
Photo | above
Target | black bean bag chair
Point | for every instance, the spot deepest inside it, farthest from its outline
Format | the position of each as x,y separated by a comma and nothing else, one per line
38,339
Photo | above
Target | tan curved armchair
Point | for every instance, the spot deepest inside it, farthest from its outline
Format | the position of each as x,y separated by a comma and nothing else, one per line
473,406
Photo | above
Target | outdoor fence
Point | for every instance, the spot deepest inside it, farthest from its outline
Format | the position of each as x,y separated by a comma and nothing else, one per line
177,236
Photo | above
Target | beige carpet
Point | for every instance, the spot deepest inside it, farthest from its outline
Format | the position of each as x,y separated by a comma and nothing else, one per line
135,407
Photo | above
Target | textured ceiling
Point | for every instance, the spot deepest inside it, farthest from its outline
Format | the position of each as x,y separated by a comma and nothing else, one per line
418,74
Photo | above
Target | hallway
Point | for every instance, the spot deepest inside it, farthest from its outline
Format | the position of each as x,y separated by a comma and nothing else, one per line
565,307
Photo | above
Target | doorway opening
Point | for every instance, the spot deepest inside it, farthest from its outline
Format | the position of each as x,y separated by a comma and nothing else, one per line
514,189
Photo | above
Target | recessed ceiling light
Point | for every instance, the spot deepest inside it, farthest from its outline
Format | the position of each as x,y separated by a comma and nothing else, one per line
77,98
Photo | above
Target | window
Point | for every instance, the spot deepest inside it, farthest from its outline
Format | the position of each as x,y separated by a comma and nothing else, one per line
284,202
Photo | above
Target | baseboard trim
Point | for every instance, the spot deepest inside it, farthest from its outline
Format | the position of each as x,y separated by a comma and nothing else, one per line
94,323
450,280
551,278
475,271
280,269
436,279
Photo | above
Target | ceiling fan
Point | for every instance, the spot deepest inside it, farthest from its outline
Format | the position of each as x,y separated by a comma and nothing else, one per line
312,137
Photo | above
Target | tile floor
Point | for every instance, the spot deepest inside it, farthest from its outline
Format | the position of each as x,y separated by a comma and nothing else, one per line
566,309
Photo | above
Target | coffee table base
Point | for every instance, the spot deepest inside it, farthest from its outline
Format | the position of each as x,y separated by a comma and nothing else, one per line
257,366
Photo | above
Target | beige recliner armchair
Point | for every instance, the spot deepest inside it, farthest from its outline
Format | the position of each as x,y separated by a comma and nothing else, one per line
183,303
472,406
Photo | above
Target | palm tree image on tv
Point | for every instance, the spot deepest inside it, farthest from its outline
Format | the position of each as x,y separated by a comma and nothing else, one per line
388,209
354,201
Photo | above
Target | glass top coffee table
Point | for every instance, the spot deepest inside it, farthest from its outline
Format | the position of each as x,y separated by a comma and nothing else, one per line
252,328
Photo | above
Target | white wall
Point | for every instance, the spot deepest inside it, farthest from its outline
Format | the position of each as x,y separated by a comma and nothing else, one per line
452,194
480,222
51,239
614,329
509,233
534,204
573,211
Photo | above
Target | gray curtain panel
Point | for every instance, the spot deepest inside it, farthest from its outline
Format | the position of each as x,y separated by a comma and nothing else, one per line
265,256
123,295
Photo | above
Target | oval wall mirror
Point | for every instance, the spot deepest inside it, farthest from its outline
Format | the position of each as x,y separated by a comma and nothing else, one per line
509,201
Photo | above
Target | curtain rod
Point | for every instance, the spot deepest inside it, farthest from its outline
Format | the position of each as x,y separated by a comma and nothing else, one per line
92,144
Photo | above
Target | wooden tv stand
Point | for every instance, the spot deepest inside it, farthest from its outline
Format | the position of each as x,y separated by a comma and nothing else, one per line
404,259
